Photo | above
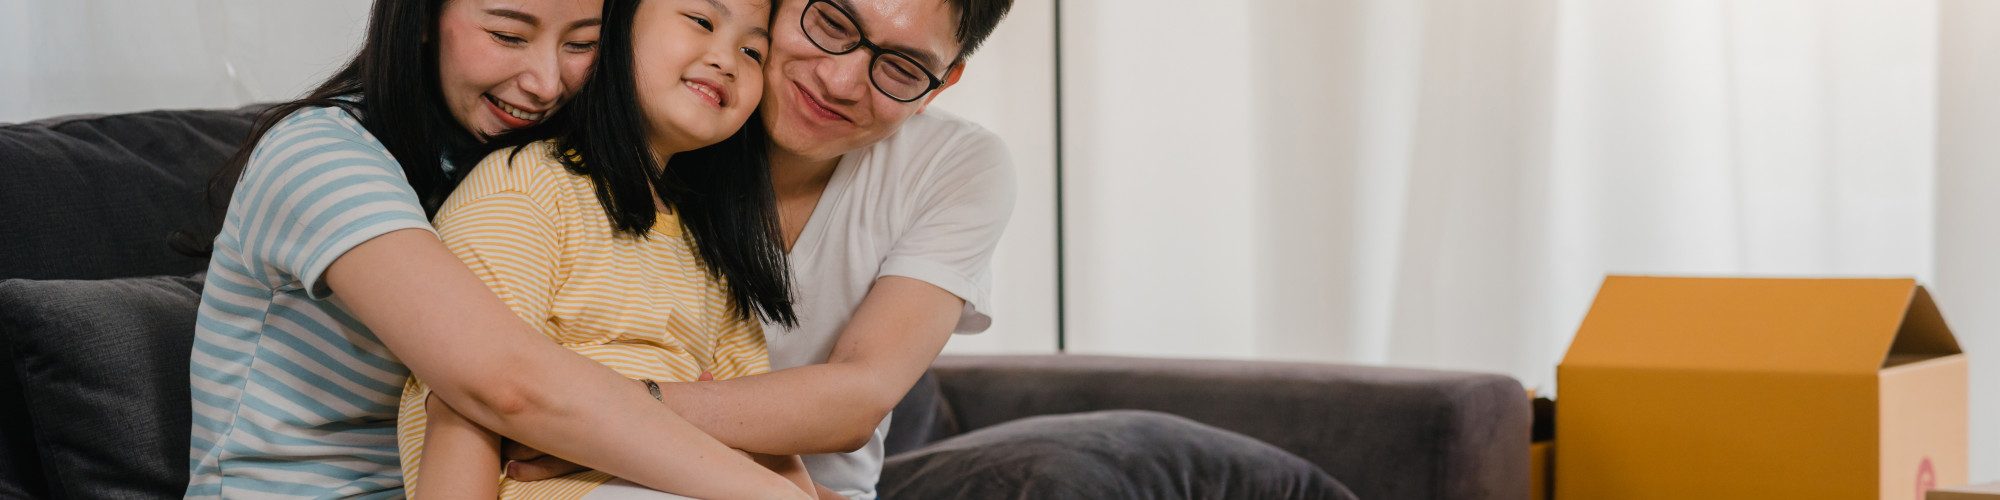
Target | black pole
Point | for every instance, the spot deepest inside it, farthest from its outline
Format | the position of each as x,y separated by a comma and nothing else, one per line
1062,323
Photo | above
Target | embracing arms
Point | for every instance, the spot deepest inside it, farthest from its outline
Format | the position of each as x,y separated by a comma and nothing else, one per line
453,333
897,331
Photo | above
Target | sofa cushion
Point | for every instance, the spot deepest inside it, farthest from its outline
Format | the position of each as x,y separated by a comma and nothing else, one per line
1106,454
922,417
20,465
103,366
91,197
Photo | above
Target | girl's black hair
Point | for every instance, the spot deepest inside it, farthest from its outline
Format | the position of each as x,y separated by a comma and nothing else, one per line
722,193
391,87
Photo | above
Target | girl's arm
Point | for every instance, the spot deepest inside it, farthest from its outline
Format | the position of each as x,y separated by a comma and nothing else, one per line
789,466
495,370
459,459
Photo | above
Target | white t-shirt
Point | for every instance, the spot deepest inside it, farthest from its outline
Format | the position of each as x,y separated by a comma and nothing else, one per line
927,203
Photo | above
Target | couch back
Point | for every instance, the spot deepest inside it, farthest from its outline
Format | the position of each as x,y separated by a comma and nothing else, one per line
91,197
96,197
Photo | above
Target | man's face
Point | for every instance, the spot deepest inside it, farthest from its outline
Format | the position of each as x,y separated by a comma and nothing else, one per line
819,105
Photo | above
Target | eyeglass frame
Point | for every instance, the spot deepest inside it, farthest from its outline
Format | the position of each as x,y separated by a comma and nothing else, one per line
862,41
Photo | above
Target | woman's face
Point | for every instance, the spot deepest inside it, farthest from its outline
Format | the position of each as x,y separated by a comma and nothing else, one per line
508,64
698,68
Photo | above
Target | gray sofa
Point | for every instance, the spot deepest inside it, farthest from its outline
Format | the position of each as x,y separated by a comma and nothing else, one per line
94,385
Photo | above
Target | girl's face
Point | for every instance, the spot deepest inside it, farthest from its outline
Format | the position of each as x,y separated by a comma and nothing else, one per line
508,64
698,68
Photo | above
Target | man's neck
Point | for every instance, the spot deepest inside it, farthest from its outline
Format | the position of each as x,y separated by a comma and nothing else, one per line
794,175
798,183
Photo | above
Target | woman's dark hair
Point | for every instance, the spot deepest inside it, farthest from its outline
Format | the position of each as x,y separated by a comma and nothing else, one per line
391,87
722,193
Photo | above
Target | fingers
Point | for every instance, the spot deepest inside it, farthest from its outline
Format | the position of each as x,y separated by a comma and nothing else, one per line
705,377
541,468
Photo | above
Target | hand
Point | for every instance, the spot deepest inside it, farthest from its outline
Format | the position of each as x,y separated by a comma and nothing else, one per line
529,464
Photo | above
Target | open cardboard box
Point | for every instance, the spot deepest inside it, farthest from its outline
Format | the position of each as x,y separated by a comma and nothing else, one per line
1761,388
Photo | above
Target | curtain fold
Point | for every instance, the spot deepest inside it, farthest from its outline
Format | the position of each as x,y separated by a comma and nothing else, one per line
1444,183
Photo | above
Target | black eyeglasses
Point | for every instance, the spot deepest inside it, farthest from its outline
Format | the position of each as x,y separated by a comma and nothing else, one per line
898,76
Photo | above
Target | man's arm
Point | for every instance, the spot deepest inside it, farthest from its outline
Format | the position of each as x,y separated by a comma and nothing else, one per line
893,336
831,407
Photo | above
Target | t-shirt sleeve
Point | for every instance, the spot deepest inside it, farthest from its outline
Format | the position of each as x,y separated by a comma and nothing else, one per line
315,187
512,243
958,219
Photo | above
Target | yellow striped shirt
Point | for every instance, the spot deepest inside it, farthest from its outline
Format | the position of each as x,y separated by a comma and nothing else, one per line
647,308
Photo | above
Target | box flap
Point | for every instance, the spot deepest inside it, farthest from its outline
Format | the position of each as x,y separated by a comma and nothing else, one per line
1750,324
1923,335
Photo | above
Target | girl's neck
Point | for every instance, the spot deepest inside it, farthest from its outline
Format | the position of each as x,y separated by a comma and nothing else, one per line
660,157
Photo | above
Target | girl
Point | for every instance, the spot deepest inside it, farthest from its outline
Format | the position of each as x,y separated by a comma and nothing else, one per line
614,238
327,286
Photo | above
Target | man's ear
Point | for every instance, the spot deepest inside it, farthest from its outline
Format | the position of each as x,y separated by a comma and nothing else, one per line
951,77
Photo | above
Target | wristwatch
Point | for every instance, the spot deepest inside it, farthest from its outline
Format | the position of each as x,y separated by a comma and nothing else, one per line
653,388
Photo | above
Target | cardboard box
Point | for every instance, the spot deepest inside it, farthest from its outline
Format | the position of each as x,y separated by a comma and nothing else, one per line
1988,491
1761,388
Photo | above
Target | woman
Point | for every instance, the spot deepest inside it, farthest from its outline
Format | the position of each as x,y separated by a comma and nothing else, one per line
328,287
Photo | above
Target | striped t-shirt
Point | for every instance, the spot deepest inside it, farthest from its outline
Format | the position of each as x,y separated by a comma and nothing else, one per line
646,307
293,397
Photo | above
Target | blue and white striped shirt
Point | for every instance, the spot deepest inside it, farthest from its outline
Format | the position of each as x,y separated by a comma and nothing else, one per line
294,397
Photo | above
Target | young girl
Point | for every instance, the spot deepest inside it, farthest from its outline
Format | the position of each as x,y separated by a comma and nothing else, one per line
614,240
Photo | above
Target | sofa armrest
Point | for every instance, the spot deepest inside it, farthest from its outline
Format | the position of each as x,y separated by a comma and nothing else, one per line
1385,432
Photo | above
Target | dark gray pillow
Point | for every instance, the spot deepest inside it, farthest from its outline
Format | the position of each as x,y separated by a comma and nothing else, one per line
94,197
1101,455
20,464
103,366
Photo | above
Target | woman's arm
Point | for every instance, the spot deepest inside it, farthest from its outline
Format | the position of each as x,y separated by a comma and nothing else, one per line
453,333
739,351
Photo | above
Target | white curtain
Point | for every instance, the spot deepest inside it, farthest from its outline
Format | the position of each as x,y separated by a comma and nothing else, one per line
107,56
1444,183
1968,207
